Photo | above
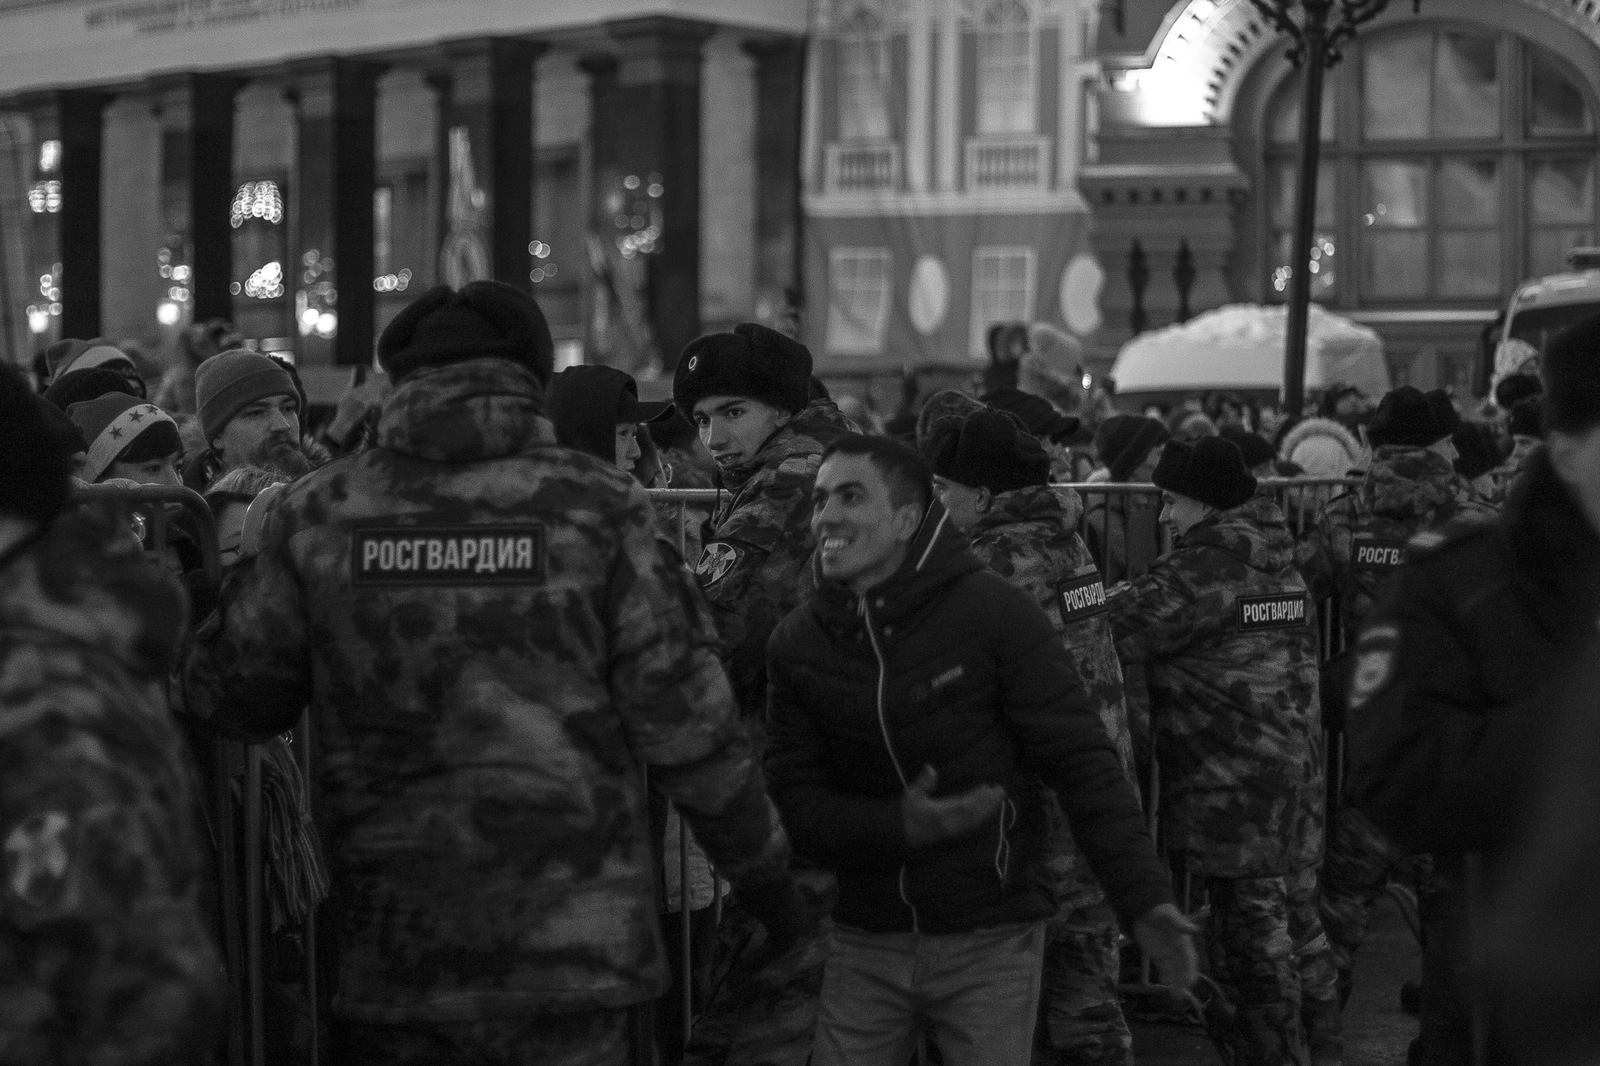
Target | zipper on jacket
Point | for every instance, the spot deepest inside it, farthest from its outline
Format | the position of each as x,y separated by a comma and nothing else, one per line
883,727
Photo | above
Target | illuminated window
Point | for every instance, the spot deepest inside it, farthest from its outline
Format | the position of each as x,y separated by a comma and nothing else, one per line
1005,70
863,78
858,300
1002,290
1465,162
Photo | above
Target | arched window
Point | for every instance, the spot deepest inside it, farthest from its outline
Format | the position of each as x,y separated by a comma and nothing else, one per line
1456,161
1005,69
863,78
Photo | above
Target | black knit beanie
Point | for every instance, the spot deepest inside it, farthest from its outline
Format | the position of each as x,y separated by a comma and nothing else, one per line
1123,442
1527,417
753,361
37,483
76,386
1571,372
987,449
1514,387
1254,447
485,319
1210,470
1477,450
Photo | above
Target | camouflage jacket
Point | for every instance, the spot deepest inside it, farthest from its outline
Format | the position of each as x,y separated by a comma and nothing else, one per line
105,955
1028,538
1358,541
758,543
492,642
1225,624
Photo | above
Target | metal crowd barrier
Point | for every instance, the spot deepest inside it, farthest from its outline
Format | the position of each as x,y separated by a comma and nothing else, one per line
1120,524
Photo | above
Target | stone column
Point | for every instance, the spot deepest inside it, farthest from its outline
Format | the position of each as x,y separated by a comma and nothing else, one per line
780,68
336,108
654,114
75,117
197,112
486,114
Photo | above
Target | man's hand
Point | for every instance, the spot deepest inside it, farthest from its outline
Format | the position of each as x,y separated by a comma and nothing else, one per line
1167,937
929,820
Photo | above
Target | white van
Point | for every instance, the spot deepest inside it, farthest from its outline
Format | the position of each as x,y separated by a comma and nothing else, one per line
1542,307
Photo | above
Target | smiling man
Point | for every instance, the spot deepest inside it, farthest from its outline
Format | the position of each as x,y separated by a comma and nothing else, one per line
917,701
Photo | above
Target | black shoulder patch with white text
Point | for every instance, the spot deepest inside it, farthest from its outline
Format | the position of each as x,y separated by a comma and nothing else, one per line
1284,611
1379,555
447,555
1081,597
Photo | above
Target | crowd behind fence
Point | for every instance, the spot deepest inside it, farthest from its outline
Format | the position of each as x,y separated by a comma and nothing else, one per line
233,801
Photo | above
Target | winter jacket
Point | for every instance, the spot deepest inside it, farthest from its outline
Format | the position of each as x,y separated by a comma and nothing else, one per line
1358,542
944,665
1027,537
757,545
1225,626
491,641
105,954
1454,671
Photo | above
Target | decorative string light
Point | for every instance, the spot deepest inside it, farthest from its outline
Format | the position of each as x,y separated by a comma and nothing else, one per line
256,200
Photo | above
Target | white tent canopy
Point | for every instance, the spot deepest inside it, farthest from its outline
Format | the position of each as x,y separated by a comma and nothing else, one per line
1241,347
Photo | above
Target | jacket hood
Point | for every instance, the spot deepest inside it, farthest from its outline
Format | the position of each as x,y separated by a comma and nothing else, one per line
1408,482
1044,504
464,412
1322,447
1254,532
86,580
936,556
817,425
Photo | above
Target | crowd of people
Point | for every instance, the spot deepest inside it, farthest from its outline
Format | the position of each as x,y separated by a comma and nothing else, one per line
940,734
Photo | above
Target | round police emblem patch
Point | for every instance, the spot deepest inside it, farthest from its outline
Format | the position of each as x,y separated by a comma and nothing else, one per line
1374,667
716,561
694,361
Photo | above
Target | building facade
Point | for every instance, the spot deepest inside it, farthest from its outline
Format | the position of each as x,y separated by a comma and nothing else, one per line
306,167
1459,149
942,151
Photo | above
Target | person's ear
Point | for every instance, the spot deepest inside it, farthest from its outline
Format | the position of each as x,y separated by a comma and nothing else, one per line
984,498
784,418
907,520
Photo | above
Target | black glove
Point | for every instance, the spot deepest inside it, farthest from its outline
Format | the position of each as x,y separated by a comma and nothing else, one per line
778,904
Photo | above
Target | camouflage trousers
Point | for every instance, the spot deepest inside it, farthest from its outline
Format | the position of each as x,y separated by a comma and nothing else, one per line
596,1038
1081,1022
1359,864
760,1013
1271,962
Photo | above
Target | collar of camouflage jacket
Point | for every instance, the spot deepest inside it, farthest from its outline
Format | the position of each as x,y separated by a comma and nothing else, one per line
1053,504
467,411
1255,532
1409,482
808,433
87,581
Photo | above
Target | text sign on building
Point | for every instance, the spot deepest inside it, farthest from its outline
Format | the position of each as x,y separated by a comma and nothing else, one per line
176,16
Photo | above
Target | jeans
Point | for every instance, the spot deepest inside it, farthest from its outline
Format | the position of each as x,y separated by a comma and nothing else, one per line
978,992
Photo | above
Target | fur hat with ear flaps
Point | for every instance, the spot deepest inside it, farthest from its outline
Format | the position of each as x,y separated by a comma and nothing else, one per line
987,449
753,361
1210,470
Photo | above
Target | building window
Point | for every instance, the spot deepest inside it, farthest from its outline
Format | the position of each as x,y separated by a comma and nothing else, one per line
1002,290
858,300
863,78
1455,162
1005,70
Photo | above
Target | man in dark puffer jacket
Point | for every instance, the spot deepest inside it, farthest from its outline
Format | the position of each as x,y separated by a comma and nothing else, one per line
916,700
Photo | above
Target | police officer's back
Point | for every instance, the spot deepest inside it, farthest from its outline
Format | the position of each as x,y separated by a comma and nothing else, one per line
492,642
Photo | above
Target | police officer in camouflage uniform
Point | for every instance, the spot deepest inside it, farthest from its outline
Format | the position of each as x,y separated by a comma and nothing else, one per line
1225,625
493,643
1353,551
748,395
105,954
993,478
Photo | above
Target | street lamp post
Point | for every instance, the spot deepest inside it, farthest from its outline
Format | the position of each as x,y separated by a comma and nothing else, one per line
1317,40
